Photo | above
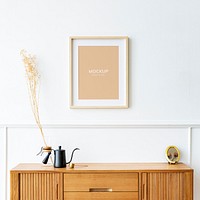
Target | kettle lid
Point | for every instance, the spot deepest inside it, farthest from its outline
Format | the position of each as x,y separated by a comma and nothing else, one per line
60,149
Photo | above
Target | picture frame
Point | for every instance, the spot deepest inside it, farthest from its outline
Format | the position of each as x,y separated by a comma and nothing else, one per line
98,71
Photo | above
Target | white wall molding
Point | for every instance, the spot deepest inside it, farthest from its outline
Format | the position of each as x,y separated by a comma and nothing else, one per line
190,146
107,125
5,160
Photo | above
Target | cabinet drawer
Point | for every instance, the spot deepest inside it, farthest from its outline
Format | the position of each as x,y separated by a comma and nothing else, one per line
110,181
101,195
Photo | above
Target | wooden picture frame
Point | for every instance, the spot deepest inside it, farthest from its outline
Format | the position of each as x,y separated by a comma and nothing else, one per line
98,72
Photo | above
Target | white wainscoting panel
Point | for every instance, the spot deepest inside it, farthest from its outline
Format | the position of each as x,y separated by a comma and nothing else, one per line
3,163
196,160
97,143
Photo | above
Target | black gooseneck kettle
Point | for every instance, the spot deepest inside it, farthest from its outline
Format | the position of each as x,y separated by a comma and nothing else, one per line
59,157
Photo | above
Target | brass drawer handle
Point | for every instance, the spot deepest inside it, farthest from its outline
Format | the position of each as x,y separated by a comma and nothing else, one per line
100,190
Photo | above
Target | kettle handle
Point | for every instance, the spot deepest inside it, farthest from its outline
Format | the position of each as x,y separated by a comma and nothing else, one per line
46,158
72,155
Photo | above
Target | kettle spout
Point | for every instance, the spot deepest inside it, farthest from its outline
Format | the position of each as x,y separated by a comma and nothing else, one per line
72,155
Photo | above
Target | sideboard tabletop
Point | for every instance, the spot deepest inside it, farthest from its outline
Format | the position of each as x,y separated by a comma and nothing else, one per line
105,167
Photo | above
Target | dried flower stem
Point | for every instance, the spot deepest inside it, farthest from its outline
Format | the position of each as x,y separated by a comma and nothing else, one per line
33,76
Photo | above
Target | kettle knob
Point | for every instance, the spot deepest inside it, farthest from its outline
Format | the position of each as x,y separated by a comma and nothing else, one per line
59,149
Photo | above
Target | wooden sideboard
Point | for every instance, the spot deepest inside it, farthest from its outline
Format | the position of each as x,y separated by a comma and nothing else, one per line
99,181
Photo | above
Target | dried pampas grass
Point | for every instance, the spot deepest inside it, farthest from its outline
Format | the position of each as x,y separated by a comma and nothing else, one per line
33,77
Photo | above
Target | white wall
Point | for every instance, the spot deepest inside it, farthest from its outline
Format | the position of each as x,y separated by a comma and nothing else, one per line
164,80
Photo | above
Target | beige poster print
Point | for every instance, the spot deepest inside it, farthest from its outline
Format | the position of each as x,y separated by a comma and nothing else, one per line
98,72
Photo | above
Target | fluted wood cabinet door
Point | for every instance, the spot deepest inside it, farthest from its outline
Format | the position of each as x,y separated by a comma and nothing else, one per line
167,186
38,186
